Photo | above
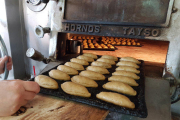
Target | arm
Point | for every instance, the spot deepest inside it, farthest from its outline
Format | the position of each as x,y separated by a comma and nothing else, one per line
14,94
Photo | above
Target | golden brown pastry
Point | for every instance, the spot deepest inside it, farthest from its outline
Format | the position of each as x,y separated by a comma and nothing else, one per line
123,79
68,70
74,65
89,59
130,59
106,61
126,73
128,68
120,87
116,99
84,81
79,61
98,69
101,64
59,75
92,75
46,82
110,57
75,89
90,55
127,63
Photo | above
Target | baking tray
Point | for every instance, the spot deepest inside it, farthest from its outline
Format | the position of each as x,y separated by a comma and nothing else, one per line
102,49
139,100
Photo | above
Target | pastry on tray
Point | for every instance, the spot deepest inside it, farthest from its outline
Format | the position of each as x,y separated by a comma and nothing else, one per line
90,55
59,75
98,69
128,80
128,68
46,82
87,82
116,99
106,61
131,59
68,70
127,63
126,73
92,75
75,89
79,61
101,64
110,57
74,65
89,59
120,87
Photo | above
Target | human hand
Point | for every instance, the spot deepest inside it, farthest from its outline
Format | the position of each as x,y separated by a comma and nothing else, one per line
14,94
2,62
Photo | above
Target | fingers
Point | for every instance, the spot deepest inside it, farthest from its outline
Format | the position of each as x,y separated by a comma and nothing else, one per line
9,64
31,86
29,95
3,60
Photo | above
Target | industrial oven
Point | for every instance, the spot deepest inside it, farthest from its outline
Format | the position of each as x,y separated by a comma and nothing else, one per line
46,25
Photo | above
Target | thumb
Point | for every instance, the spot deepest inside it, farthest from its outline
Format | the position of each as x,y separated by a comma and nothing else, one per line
3,60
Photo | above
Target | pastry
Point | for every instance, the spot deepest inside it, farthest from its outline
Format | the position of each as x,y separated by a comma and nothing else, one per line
106,61
92,75
91,55
79,61
84,81
131,59
128,68
101,64
75,89
126,73
74,65
116,99
59,75
110,57
123,79
46,82
67,69
120,87
127,63
98,69
89,59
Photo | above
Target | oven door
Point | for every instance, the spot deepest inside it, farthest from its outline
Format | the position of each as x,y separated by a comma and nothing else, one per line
3,53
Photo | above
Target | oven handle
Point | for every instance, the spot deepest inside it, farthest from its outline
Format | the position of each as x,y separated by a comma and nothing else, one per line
4,53
176,96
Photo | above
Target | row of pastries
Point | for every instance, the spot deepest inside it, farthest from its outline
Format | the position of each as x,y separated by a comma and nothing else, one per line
121,80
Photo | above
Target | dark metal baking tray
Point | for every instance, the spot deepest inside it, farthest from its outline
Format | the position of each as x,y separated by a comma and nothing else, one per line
101,49
139,100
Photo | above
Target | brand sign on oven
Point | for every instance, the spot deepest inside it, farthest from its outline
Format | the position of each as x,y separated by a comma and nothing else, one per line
102,29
